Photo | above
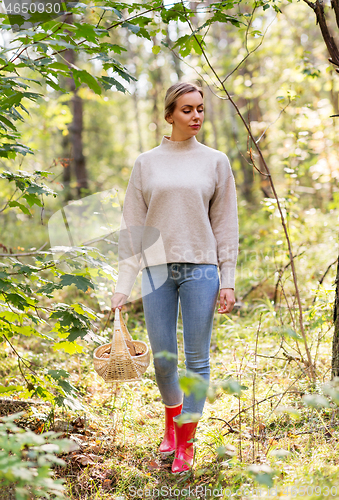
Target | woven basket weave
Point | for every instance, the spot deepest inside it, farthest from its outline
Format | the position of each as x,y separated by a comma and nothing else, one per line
121,365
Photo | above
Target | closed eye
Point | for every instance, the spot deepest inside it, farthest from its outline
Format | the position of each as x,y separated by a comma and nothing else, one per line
199,111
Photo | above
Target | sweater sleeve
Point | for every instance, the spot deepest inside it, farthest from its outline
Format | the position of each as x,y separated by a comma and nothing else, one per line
223,215
131,231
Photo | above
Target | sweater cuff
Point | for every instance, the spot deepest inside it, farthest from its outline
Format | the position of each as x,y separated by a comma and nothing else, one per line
227,277
128,272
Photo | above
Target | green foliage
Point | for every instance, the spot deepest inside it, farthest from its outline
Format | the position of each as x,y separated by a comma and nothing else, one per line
316,401
330,389
31,188
263,474
52,38
33,291
26,460
193,383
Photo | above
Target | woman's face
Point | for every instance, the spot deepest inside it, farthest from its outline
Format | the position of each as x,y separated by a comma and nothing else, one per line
188,115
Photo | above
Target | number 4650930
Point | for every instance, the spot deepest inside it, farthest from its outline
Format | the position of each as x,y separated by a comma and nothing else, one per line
25,8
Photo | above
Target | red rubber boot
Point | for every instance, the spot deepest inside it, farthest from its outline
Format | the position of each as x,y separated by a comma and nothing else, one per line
167,446
184,450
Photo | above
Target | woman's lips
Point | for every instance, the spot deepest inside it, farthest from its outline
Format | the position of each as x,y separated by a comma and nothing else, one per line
195,126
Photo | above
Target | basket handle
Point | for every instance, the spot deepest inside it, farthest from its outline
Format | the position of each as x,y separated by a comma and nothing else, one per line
119,323
117,316
120,334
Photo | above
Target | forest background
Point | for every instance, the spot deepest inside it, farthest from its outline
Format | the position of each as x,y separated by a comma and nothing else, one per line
81,97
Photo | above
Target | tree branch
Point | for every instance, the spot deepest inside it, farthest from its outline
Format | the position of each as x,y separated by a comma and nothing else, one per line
331,45
310,364
335,7
24,254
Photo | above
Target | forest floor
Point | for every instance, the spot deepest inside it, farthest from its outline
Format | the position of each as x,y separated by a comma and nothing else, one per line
278,439
267,443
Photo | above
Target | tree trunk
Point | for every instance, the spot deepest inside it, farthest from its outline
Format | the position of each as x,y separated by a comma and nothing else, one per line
335,345
73,144
132,57
66,163
211,115
79,161
66,141
176,60
333,50
156,77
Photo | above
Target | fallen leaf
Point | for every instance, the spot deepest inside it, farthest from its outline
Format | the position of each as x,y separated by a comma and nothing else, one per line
76,439
96,448
153,465
84,460
79,422
107,484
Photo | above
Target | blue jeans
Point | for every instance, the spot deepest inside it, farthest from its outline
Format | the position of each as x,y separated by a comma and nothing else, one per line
197,286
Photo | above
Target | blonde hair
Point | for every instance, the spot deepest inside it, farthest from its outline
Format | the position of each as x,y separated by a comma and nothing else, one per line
177,90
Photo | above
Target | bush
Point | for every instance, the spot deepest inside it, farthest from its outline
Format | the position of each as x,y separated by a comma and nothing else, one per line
26,459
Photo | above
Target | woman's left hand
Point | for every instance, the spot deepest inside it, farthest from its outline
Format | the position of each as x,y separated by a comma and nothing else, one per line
227,300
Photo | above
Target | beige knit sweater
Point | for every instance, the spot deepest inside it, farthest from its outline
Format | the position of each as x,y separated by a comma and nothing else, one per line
180,206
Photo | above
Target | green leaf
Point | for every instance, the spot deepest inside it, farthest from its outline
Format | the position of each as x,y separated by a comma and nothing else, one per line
7,122
232,386
32,199
187,417
280,453
290,411
198,44
75,332
79,281
58,374
108,82
193,383
86,31
228,450
17,300
263,474
48,288
70,347
316,401
82,76
288,331
292,333
132,27
11,388
83,309
331,389
21,206
156,49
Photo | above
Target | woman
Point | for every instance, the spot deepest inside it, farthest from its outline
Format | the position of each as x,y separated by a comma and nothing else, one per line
180,219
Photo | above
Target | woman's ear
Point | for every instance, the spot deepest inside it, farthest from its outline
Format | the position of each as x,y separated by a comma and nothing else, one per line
169,119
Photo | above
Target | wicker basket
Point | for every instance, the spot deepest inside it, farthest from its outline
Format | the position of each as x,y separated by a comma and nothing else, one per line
121,366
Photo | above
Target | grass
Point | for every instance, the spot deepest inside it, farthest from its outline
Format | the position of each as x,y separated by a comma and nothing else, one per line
266,437
124,424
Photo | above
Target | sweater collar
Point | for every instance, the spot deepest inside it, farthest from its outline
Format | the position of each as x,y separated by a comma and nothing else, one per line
182,146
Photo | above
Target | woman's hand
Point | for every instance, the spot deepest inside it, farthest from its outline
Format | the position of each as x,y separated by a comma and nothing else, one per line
118,300
227,300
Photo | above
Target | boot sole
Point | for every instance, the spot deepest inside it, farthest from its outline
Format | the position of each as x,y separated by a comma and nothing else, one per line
181,472
165,454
